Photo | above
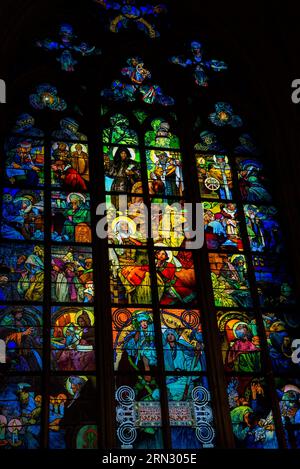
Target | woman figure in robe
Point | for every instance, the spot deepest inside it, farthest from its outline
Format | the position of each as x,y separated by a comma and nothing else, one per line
31,285
179,387
60,290
243,354
68,177
136,279
139,343
175,282
280,350
123,171
75,213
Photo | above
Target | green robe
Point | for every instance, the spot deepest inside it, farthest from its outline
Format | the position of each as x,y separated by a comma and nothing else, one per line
239,426
81,215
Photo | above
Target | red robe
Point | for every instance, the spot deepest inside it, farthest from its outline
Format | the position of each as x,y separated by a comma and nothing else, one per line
184,281
73,181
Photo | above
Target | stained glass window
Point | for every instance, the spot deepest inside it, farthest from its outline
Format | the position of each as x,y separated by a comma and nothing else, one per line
24,166
21,405
47,320
134,87
70,167
160,353
281,329
147,275
221,226
240,341
22,267
46,97
71,220
22,330
214,176
161,136
288,392
252,181
22,214
122,169
250,412
126,14
198,64
72,339
72,274
72,402
138,338
250,281
65,44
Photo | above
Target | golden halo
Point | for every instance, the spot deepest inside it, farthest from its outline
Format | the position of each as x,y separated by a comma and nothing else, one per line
234,256
29,198
239,323
55,146
128,220
68,384
80,196
84,147
89,313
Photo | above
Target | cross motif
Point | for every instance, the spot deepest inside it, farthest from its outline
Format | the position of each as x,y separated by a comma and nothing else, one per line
199,66
67,47
137,74
128,13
